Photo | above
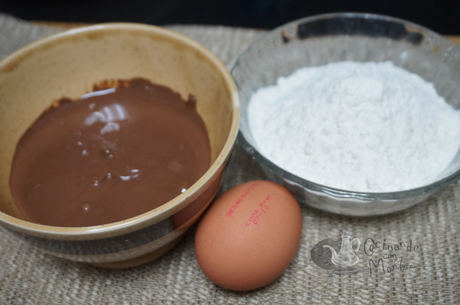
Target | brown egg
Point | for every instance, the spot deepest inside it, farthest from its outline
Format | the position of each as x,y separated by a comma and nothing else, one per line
249,235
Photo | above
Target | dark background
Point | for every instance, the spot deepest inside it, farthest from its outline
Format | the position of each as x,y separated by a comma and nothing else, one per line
442,16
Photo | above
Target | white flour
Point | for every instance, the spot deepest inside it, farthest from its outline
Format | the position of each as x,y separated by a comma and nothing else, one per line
370,127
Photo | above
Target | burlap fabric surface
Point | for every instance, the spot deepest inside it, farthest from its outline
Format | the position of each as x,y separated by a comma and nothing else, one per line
429,272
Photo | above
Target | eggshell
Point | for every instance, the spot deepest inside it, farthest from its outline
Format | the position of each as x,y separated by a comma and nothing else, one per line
249,235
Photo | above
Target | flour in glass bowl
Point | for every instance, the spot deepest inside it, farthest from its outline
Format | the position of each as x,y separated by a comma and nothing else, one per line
367,127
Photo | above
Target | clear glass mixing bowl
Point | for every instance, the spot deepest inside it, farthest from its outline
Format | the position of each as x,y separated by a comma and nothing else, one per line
323,39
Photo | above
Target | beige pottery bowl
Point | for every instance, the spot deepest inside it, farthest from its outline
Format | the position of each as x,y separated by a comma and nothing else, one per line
68,65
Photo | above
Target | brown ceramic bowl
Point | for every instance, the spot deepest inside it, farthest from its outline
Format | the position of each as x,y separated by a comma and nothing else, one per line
67,65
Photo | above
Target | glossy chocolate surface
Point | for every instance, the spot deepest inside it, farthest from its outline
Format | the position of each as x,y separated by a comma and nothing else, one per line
109,156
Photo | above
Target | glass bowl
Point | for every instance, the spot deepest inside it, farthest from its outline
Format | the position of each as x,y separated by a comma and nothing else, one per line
323,39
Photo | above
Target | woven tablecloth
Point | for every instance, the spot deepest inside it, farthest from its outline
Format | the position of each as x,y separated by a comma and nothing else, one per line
426,237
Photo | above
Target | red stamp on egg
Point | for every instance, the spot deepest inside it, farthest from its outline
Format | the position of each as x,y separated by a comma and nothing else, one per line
255,216
241,199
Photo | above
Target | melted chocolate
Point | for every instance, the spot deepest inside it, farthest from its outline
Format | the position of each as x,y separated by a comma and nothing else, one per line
109,156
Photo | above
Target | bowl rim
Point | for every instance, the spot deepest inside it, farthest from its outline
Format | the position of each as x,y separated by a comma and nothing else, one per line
168,208
317,187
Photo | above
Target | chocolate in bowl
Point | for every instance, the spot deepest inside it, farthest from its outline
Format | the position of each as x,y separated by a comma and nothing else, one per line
67,65
111,155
